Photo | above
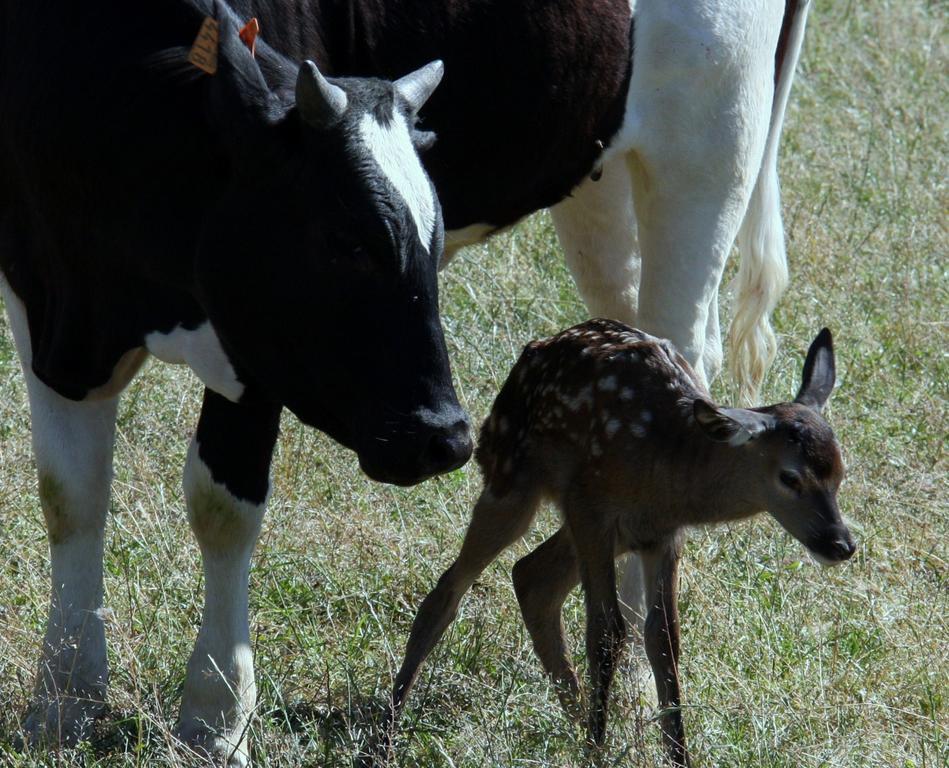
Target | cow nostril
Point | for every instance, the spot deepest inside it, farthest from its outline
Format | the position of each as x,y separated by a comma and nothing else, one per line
440,450
448,449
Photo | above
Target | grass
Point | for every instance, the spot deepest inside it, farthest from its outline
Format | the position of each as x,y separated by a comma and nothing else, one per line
784,664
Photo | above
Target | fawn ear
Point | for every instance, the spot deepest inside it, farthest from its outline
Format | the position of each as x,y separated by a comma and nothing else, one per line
735,426
817,381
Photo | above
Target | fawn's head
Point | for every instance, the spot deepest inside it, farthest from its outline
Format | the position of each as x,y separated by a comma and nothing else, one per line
790,458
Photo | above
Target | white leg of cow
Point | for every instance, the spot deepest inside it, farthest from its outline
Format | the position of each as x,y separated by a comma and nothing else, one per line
596,226
225,511
72,444
696,123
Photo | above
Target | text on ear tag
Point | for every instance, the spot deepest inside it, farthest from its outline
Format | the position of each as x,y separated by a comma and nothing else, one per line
249,34
203,53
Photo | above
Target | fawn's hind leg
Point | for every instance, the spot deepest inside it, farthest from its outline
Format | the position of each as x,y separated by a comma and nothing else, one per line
495,524
542,581
661,567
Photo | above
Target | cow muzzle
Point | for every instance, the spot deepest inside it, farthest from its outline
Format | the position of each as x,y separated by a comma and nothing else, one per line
428,444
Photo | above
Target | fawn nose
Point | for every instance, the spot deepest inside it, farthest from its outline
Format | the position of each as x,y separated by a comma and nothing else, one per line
843,548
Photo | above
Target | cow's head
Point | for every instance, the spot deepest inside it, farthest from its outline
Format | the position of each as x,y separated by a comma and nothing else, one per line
318,268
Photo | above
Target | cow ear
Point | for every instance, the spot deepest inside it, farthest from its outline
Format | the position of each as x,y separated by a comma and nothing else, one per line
820,372
735,426
239,82
417,87
423,140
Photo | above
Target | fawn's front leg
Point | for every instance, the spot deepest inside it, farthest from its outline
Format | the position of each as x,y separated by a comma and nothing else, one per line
496,523
661,567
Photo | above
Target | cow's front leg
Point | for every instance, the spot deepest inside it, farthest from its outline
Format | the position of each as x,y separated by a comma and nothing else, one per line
226,484
72,445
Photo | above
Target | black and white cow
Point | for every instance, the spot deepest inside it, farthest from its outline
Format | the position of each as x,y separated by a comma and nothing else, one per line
281,238
218,221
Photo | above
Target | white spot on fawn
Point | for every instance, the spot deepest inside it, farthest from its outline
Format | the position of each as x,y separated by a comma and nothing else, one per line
584,397
607,384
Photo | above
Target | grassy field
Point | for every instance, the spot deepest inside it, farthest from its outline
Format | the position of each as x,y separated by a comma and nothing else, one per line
785,664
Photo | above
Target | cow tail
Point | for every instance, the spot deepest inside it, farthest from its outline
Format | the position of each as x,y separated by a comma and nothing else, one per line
763,271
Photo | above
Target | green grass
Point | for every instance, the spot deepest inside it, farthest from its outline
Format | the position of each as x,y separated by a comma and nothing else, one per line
784,664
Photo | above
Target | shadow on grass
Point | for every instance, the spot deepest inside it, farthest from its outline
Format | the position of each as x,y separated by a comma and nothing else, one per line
114,734
356,734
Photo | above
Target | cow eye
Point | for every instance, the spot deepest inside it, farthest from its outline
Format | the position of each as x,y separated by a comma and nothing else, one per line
791,480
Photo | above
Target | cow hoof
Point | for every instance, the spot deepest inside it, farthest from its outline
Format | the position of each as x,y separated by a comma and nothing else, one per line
213,746
64,722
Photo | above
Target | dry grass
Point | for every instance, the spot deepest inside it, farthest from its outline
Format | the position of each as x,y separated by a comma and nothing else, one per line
785,664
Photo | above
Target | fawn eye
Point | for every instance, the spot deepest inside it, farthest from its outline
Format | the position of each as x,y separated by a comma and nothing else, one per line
791,480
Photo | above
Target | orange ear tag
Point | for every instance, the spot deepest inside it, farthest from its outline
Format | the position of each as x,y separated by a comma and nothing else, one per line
249,35
203,53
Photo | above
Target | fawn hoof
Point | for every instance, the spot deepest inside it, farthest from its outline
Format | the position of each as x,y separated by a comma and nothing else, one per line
217,748
568,692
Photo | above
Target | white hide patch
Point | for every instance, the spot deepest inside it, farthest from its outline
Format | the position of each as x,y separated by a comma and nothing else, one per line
456,239
391,148
200,349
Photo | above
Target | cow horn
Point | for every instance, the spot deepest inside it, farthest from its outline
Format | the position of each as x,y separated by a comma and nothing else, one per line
320,102
417,87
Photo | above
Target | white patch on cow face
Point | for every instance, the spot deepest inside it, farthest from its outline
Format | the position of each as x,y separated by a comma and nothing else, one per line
200,349
391,148
607,384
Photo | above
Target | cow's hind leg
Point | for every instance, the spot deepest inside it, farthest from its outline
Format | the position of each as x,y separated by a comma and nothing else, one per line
596,226
226,485
695,132
72,444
